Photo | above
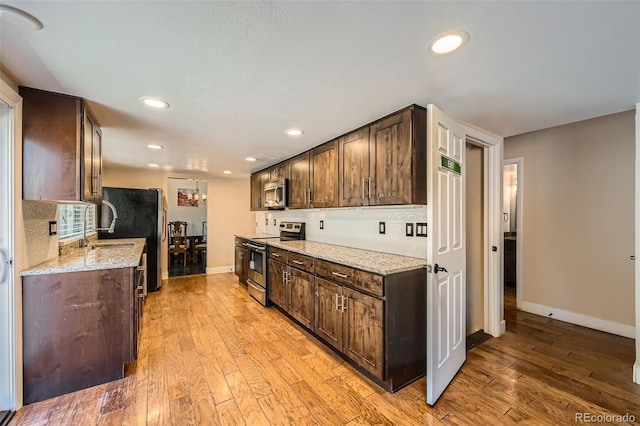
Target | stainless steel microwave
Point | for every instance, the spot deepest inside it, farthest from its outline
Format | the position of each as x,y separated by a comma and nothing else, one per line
275,194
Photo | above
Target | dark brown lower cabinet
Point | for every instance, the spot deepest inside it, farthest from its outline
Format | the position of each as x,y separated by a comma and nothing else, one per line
278,283
79,329
377,323
300,289
241,260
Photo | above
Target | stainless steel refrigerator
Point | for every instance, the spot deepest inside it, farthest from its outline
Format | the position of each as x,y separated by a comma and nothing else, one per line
141,214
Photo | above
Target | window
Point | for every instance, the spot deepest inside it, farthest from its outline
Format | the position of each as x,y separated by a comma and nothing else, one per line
71,219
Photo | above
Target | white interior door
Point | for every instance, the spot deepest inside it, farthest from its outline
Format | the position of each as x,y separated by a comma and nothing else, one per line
446,257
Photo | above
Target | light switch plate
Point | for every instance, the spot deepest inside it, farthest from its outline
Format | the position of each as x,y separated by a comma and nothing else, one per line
382,228
322,224
53,227
421,229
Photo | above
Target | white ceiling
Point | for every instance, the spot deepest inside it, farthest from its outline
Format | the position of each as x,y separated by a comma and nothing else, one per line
237,74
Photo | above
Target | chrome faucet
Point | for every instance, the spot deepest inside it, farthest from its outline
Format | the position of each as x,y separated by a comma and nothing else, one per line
111,227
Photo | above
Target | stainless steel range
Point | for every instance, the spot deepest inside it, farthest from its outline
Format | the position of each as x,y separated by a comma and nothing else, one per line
257,274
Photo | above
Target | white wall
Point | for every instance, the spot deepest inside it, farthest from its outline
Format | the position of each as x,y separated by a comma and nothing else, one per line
194,216
578,221
356,227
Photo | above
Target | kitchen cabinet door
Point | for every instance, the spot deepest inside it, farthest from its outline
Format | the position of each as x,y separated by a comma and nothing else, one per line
92,159
301,289
258,180
324,175
279,171
241,256
61,148
391,145
353,169
299,181
363,333
278,283
328,312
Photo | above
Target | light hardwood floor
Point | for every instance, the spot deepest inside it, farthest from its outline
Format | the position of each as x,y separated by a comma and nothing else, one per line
211,355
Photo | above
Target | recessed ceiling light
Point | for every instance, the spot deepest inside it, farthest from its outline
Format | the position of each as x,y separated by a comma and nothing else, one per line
250,159
448,42
294,132
153,165
154,102
154,146
10,11
227,172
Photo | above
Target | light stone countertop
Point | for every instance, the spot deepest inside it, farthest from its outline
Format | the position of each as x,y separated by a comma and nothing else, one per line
367,260
101,254
255,236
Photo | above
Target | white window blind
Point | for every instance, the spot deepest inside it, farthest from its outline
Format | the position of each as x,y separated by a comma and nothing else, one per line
71,220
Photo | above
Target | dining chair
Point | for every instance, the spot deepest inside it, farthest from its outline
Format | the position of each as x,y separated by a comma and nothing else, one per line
201,245
178,239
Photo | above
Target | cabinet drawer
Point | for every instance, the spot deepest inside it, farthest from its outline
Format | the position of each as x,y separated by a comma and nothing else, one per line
368,282
278,254
335,272
301,261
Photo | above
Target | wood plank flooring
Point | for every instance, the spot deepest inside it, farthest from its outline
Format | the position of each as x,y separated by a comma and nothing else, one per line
210,355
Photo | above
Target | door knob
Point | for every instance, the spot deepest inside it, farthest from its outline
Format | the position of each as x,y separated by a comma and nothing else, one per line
437,269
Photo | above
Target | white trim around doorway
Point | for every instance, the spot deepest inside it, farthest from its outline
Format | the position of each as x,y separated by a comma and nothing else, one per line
519,236
636,367
494,323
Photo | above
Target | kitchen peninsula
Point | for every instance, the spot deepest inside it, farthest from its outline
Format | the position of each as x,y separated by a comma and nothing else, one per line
81,317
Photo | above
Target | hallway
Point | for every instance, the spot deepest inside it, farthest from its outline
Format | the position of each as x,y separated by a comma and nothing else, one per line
211,355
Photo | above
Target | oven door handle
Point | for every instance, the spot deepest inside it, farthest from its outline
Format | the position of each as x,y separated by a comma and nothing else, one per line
253,246
256,288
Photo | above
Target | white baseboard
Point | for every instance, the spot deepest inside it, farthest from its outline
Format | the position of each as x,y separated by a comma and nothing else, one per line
579,319
165,275
636,372
220,270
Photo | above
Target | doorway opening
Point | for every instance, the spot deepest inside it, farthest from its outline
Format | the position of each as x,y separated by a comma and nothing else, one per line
187,226
511,229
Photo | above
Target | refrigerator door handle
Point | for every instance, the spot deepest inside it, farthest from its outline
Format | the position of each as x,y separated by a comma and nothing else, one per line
164,224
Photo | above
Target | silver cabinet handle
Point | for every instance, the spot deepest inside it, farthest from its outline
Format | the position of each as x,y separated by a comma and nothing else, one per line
305,196
337,303
140,268
275,255
288,275
363,188
338,274
297,262
141,296
310,201
284,277
139,288
369,187
344,306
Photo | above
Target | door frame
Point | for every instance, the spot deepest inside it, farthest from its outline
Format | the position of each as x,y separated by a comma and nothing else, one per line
519,237
494,323
636,367
11,387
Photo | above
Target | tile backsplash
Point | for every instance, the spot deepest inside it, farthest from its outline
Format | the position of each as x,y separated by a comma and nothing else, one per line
40,245
355,227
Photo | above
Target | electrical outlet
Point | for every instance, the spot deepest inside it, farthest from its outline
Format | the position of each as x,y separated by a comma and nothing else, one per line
274,222
266,221
421,229
409,228
382,228
322,224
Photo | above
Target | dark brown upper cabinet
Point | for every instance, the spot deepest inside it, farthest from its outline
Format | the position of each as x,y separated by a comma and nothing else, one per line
385,163
62,148
257,190
354,169
299,175
279,171
382,163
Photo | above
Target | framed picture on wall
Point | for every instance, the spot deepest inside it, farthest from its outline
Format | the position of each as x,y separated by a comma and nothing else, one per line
186,197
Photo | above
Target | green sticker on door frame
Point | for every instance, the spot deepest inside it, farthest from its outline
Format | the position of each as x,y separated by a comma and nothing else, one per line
451,165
